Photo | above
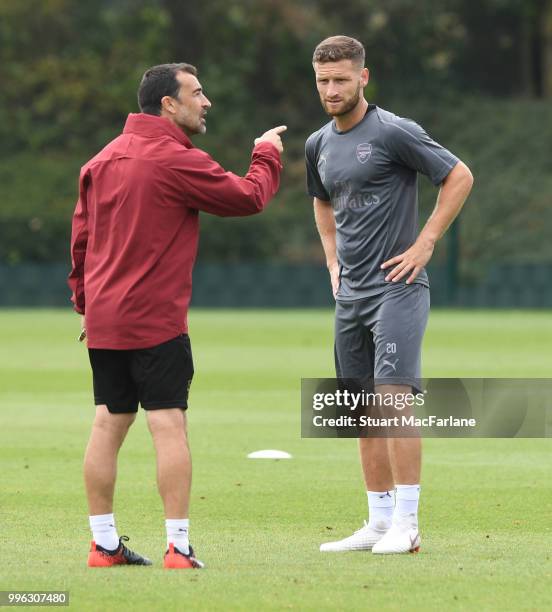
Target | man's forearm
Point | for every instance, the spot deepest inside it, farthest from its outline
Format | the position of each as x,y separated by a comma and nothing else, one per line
452,196
325,224
450,200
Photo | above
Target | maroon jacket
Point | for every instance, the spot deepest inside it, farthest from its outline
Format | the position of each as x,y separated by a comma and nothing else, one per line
135,228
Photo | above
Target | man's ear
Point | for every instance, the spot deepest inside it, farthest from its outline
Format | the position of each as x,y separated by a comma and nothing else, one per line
167,104
365,77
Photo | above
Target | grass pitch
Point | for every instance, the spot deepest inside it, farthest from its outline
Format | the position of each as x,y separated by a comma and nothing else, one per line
485,509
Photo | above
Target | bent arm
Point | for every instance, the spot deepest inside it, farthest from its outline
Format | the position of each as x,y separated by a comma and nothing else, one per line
213,190
453,193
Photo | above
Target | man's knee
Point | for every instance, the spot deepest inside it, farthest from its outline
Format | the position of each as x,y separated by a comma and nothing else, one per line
118,423
166,421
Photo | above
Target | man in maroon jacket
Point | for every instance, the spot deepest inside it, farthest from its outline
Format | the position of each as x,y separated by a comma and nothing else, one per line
133,246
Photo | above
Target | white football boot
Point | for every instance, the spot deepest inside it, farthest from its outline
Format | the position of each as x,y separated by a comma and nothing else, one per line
402,537
363,539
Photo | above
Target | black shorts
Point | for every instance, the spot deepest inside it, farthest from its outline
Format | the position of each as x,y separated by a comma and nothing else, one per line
157,377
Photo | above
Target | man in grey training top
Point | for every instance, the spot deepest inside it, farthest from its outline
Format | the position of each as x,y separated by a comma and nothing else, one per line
362,171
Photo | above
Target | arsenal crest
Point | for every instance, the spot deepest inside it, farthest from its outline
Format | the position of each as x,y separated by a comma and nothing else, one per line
364,152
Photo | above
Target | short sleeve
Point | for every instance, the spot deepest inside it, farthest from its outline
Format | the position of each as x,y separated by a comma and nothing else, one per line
409,144
315,187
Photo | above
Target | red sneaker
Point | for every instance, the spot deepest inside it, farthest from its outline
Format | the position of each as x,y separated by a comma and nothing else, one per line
101,557
175,559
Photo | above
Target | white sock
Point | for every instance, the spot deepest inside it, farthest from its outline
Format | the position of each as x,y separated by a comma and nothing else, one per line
407,500
380,508
177,534
104,532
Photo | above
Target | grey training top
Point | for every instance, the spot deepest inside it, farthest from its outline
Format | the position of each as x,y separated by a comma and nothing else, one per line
369,174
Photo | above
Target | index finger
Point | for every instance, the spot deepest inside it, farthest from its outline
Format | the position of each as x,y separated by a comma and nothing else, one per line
390,262
279,129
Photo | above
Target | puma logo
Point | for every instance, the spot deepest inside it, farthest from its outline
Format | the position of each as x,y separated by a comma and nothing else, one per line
391,364
414,543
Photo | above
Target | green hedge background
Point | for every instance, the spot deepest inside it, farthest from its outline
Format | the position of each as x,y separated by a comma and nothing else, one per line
476,75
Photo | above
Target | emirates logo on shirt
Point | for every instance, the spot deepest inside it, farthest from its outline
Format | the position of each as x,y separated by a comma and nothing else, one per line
364,152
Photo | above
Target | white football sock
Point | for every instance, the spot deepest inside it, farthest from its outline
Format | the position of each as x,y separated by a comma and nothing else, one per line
407,500
380,508
177,534
104,532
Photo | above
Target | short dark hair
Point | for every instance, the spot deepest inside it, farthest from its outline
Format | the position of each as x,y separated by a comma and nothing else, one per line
337,48
160,81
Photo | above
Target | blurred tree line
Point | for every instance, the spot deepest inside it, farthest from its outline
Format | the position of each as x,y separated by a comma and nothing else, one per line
477,75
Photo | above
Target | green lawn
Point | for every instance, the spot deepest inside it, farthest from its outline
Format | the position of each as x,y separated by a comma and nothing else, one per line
486,511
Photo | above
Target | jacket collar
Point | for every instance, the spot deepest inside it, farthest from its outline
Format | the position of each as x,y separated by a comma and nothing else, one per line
153,126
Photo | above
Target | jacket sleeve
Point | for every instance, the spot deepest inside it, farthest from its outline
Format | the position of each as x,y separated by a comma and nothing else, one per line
211,189
79,240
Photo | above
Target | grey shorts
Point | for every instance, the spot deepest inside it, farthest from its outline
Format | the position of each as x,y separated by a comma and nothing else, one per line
378,340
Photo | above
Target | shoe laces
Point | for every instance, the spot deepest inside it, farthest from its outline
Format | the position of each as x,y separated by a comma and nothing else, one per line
122,539
124,550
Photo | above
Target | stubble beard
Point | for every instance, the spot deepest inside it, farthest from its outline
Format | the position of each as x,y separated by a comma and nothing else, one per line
192,130
349,104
